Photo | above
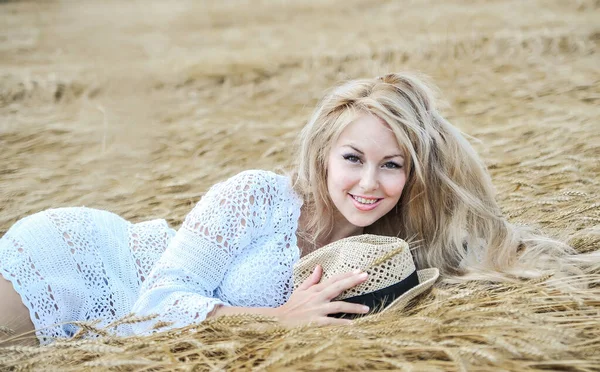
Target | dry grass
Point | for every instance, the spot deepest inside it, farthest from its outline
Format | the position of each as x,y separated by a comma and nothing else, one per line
137,107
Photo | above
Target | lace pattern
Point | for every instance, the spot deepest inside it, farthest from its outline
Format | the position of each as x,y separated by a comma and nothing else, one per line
236,247
77,264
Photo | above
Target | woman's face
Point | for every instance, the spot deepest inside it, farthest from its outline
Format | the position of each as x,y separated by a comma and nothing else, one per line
365,171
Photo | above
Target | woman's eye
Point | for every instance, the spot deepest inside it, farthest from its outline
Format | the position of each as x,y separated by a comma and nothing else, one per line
392,165
352,158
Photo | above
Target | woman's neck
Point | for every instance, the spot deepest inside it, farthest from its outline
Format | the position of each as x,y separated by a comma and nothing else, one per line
341,229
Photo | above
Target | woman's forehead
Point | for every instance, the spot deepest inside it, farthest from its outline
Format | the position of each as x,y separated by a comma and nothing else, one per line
368,131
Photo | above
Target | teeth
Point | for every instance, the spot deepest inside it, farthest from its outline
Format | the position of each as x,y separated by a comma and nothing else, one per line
365,201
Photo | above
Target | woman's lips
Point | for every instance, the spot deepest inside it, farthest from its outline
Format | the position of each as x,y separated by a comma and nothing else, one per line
364,207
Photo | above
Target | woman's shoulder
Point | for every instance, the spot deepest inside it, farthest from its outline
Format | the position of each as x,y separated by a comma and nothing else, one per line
260,175
258,181
259,178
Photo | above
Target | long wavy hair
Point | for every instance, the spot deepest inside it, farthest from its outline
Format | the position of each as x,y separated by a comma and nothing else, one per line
447,210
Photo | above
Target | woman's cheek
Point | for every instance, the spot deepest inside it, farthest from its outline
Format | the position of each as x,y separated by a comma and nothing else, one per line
395,185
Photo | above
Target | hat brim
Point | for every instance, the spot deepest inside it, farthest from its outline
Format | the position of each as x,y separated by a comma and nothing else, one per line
427,278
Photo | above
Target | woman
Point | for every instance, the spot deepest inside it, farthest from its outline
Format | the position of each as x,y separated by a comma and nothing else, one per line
376,157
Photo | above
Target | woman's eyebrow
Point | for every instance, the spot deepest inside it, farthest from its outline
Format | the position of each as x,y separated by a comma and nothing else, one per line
385,157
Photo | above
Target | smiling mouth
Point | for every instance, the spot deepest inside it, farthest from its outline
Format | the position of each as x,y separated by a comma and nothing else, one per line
365,204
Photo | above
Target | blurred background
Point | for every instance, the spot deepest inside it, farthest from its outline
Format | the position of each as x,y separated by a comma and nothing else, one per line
139,106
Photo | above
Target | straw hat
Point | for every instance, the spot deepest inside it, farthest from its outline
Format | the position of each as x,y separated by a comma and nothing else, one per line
393,279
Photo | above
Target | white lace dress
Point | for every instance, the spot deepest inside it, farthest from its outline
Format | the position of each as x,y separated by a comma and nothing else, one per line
236,247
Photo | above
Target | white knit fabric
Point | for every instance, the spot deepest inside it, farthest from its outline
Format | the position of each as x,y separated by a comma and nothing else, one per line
236,247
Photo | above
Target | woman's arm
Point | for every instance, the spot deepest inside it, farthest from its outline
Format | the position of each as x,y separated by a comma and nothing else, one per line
311,302
181,286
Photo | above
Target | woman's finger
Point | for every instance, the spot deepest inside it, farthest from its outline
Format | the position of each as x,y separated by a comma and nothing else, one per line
345,307
334,289
336,278
312,279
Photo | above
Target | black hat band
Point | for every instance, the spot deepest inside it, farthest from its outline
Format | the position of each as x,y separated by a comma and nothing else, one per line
381,298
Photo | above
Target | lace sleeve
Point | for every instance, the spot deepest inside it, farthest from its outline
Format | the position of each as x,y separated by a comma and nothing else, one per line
180,288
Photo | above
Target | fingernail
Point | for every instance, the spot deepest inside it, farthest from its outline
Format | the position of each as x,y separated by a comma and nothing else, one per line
365,309
356,271
363,275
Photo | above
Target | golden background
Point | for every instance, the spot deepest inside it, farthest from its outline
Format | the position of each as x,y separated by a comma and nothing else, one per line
138,107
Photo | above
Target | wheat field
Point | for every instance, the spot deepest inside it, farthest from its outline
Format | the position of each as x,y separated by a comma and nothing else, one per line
138,107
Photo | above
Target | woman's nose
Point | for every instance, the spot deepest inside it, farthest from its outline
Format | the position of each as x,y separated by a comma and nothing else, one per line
368,180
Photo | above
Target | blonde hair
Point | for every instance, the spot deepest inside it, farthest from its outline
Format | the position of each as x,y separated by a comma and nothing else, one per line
447,209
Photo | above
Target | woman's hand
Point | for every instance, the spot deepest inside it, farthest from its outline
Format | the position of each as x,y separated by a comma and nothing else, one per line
311,301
